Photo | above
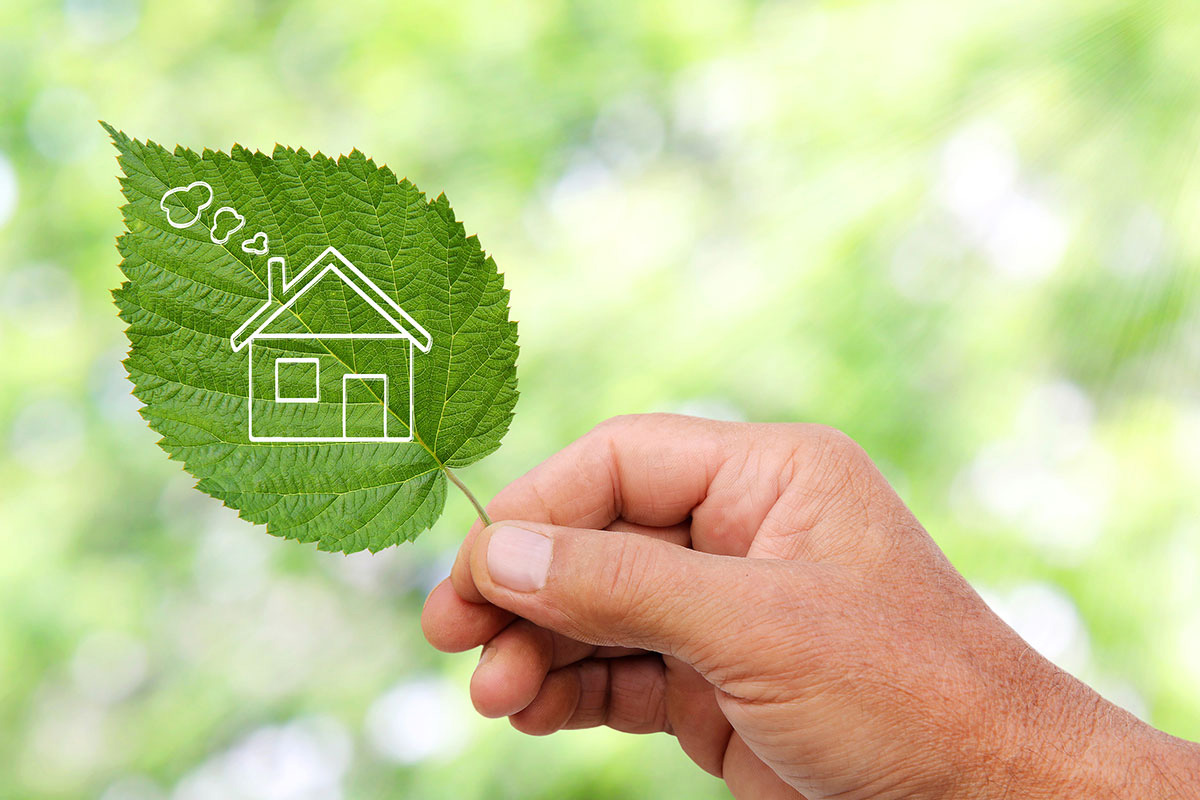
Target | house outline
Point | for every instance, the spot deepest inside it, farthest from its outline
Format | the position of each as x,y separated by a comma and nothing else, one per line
330,260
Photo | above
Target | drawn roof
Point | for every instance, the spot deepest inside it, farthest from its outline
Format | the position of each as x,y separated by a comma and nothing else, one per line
331,260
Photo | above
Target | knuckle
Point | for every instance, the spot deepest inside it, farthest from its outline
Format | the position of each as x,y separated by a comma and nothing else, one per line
840,460
617,423
604,439
624,423
837,443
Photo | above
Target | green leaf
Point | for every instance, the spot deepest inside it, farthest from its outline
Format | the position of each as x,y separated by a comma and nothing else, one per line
205,392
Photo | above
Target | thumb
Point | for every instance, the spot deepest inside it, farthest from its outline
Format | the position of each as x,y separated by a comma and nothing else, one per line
626,589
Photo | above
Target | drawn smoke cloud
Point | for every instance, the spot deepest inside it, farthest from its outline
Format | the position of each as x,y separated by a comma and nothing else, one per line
226,220
177,199
256,244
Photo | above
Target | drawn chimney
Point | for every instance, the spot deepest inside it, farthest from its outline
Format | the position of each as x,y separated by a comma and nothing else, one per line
277,285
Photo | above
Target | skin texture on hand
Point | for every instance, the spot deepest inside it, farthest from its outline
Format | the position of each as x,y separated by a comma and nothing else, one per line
761,593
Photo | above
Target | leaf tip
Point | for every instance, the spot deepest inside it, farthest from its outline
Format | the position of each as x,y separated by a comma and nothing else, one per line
119,138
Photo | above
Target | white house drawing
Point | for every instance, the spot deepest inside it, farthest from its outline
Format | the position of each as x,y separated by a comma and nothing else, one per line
331,360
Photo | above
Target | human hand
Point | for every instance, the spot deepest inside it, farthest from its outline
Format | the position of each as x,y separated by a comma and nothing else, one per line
760,592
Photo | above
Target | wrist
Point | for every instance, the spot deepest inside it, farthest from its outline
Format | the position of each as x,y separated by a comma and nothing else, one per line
1071,742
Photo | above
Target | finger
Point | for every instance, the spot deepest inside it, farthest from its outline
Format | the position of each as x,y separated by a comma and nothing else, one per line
748,777
514,663
511,669
626,694
555,703
453,625
609,588
636,695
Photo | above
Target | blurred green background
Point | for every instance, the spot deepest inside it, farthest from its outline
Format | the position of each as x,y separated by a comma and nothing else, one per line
965,233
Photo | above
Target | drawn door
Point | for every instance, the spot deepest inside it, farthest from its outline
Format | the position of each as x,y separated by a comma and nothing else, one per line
364,406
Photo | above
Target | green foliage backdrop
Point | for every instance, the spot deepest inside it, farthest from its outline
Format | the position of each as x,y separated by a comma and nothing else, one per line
964,233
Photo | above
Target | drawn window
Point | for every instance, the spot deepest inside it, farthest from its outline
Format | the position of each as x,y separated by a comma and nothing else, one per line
297,380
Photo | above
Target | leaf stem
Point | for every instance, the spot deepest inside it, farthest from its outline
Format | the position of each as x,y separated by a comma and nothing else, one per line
483,515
